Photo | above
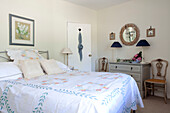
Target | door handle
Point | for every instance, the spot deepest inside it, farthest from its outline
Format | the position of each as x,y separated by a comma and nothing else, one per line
90,55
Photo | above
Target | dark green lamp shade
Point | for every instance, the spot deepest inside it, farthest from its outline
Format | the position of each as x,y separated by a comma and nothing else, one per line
143,43
116,45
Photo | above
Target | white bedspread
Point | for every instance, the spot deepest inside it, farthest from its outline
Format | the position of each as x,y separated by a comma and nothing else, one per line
71,92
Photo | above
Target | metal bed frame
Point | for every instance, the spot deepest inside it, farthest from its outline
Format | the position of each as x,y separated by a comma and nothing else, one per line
40,52
8,58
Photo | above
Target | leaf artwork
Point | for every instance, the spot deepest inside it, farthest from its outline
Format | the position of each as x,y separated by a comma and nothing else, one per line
4,100
39,109
22,31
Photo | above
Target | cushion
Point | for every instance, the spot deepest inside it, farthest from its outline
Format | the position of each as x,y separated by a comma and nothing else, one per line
31,68
8,69
51,67
63,66
23,54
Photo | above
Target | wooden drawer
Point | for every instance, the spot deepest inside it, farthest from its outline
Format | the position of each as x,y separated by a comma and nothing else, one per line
129,68
138,84
136,76
113,67
139,72
113,71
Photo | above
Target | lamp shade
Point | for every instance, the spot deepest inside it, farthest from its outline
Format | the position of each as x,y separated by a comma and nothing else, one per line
66,51
143,43
116,45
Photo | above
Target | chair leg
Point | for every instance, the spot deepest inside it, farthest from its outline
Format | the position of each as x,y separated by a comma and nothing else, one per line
145,89
165,95
153,89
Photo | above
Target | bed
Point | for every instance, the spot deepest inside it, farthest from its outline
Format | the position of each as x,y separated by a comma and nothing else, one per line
71,92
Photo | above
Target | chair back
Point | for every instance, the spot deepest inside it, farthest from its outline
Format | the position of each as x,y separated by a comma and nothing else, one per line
102,64
159,69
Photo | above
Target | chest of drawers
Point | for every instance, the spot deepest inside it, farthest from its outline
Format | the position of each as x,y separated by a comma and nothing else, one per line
140,72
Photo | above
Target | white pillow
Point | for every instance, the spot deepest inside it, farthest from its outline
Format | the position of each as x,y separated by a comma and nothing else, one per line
23,54
8,69
31,68
62,66
51,67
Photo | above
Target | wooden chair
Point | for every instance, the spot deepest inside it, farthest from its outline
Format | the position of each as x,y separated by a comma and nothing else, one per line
159,70
102,64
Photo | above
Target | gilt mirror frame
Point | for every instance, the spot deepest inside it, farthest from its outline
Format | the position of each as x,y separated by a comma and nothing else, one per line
137,34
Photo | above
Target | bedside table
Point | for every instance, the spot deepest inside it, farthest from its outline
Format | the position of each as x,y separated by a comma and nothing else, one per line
140,72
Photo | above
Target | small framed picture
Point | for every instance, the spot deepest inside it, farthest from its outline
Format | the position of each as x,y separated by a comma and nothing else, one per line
150,32
21,31
112,36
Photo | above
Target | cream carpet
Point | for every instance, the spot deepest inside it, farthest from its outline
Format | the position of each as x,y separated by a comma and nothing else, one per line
154,104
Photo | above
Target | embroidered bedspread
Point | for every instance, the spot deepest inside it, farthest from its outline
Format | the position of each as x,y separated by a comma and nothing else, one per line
71,92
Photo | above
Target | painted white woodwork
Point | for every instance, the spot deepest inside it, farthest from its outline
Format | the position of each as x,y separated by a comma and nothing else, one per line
74,59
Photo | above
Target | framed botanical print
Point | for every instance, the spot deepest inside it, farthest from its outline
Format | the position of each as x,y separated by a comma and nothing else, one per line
21,31
150,32
112,36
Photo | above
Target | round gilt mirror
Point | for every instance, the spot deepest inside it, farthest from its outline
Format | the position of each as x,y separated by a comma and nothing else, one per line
129,34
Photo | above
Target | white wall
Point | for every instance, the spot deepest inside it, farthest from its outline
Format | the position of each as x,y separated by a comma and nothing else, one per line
143,13
51,17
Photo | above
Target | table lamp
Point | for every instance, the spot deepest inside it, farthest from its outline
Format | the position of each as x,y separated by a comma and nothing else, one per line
116,44
142,43
66,51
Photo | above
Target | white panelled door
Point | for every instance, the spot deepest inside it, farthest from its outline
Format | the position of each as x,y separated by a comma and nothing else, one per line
79,41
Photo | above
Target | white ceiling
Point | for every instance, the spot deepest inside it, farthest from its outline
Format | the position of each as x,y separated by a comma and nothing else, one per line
97,4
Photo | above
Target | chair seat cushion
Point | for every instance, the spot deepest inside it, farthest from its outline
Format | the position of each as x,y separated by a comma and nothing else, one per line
156,81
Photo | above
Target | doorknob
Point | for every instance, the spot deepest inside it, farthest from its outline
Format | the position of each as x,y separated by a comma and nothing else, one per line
90,55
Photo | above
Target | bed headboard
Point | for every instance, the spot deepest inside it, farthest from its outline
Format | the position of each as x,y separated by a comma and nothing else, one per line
44,52
3,55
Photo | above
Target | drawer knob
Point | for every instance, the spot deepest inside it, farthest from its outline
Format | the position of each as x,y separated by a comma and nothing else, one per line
116,67
131,68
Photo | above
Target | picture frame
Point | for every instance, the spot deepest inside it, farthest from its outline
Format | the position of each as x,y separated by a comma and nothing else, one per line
150,32
21,31
112,36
